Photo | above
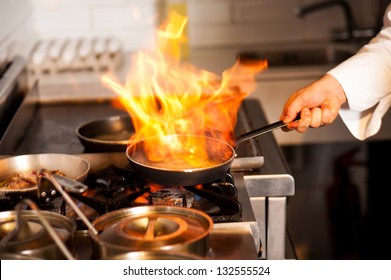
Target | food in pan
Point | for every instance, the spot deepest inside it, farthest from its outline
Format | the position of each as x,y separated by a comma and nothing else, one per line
23,180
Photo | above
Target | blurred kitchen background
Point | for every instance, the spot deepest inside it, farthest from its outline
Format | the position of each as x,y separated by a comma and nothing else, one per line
341,188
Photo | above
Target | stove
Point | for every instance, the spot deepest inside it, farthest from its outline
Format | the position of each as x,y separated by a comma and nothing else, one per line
247,204
112,188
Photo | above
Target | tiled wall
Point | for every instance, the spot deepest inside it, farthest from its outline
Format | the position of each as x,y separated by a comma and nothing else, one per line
131,21
211,22
252,21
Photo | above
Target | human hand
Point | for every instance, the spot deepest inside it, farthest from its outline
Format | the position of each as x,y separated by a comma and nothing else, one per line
317,103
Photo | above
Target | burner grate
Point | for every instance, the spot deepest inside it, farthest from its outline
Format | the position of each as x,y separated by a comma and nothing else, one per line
113,188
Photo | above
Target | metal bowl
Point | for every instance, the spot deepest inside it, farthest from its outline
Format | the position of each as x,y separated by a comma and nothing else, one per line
72,166
110,134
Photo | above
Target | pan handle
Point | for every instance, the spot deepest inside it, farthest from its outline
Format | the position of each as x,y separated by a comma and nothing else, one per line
70,185
68,199
262,130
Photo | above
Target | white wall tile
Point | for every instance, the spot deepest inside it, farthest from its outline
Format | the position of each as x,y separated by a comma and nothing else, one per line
209,12
122,17
16,28
12,15
211,23
135,39
256,11
61,20
131,21
260,21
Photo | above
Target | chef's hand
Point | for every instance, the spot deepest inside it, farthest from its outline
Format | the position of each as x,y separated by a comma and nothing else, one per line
317,103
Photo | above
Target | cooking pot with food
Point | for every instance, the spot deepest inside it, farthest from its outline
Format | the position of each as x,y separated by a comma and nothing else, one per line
18,174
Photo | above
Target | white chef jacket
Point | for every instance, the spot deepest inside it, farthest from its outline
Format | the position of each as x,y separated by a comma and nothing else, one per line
366,80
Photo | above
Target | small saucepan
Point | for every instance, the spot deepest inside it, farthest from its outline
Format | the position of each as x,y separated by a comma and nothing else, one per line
170,172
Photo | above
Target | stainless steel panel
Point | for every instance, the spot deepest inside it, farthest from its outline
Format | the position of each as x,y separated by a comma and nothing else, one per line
13,88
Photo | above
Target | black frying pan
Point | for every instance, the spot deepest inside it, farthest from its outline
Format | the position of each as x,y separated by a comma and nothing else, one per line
171,173
110,134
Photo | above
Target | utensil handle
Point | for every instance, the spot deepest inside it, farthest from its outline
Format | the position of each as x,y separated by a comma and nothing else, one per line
68,199
262,130
70,185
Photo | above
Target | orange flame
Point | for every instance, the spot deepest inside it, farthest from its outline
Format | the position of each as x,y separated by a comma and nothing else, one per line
166,97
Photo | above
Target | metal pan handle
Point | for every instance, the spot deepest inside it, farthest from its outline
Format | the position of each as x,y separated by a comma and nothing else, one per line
68,199
262,130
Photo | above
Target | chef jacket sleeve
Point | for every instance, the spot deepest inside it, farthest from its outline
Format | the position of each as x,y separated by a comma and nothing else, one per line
366,80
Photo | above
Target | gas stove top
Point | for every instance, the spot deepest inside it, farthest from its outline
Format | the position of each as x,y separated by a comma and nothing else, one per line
113,188
113,185
239,203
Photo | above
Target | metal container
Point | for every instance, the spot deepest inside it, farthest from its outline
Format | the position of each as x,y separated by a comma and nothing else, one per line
32,239
110,134
72,166
151,228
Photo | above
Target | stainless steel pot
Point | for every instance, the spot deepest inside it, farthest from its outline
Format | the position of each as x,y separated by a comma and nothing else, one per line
164,229
35,234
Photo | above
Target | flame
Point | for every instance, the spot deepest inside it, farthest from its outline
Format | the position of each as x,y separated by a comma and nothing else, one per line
143,199
167,97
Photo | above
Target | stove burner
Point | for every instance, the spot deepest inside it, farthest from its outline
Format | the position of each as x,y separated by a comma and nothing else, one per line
113,188
171,197
223,194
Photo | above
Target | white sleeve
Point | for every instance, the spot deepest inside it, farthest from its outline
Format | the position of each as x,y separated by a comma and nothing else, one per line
366,80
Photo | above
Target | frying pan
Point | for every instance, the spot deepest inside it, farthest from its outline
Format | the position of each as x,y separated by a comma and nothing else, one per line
109,134
74,167
170,173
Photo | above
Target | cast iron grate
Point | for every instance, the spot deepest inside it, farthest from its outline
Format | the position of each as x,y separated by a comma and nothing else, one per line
113,188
